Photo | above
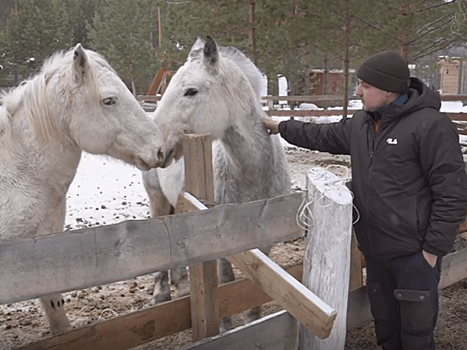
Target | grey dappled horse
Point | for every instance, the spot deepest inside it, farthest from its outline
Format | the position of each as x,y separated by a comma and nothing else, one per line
217,92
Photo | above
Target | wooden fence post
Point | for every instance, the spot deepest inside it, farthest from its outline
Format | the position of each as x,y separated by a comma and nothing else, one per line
327,256
199,181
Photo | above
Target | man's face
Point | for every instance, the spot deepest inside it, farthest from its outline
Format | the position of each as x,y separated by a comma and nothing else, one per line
372,97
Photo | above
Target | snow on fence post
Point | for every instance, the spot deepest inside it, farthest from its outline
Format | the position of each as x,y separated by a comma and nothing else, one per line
326,266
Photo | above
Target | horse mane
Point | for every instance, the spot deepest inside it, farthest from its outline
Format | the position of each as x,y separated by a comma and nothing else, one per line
47,95
252,72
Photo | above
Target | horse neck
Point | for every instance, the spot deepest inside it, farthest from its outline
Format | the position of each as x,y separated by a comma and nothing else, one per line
248,144
55,163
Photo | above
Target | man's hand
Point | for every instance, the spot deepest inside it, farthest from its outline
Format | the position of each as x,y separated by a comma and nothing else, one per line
430,258
271,124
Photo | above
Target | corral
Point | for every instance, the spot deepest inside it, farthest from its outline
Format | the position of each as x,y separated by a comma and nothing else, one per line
92,329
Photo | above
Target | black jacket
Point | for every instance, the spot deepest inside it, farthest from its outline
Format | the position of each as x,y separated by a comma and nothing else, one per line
408,179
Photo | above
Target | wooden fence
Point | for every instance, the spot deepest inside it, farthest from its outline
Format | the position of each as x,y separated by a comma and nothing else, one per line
149,102
83,258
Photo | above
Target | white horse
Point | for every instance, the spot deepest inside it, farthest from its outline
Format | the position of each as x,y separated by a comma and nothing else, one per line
217,92
77,102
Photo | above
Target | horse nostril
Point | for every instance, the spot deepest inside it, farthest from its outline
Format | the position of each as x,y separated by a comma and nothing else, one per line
160,155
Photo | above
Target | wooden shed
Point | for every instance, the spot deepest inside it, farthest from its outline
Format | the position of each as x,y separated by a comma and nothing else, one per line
452,76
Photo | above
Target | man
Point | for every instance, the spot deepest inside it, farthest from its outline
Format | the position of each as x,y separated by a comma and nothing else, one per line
410,188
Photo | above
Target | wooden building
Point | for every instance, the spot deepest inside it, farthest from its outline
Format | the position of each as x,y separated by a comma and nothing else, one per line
452,76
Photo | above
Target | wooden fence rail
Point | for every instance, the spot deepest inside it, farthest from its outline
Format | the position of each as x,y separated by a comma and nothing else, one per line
100,255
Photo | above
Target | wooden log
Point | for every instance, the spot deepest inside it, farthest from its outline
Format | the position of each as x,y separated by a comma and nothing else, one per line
199,181
79,259
327,254
299,301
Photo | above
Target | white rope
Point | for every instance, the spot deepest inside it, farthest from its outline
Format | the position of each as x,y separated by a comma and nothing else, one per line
304,216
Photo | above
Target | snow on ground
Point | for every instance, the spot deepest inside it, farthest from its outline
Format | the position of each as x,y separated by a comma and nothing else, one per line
105,191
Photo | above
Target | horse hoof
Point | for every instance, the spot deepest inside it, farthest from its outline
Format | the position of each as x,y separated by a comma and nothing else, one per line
226,325
161,298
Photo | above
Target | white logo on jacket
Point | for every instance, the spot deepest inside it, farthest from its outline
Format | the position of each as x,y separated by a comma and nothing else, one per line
391,141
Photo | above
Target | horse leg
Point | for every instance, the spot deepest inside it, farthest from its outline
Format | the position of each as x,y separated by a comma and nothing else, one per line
226,274
158,203
255,313
179,279
161,287
53,305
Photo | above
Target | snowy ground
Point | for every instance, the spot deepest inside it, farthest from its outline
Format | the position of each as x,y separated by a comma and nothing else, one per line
105,191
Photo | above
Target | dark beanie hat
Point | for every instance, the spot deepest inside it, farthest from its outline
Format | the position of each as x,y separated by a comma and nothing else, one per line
387,71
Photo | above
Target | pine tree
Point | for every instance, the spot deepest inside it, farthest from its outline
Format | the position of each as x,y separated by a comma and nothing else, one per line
80,13
184,21
38,29
416,29
121,31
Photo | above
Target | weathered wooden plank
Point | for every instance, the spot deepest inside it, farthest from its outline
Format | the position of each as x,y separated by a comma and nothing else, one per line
238,296
100,255
307,113
274,332
457,116
293,296
333,112
155,322
358,310
306,98
199,180
123,332
312,98
203,284
204,300
199,176
453,268
326,265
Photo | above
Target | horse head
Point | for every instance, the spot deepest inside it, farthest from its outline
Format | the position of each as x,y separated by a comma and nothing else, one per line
204,96
90,107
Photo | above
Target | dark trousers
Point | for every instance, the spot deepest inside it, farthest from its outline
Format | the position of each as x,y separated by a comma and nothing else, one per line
403,294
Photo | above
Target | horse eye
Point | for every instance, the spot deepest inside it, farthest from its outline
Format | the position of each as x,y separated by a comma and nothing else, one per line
108,101
191,92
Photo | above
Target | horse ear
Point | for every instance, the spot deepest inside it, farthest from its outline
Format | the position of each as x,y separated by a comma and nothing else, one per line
211,54
199,44
80,61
